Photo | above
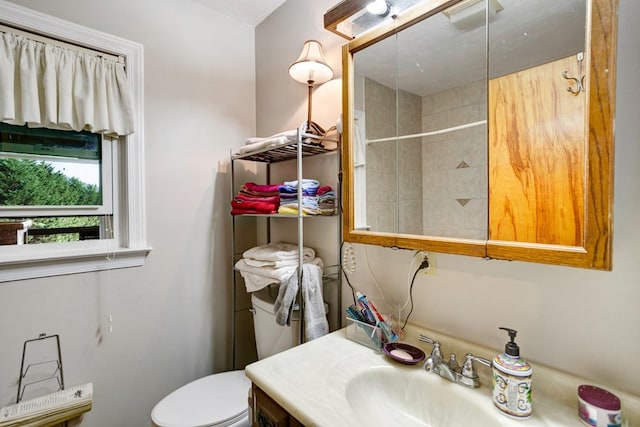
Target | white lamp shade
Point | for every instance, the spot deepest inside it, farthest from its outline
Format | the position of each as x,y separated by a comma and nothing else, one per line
311,67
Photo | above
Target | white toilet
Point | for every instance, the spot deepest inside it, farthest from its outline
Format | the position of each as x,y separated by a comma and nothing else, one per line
221,399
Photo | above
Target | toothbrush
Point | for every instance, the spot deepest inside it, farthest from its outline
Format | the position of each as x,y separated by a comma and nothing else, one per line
389,335
355,314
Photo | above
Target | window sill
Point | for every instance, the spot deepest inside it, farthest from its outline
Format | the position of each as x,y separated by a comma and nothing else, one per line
71,262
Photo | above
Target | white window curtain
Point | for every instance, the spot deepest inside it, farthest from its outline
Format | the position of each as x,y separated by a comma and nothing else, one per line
46,85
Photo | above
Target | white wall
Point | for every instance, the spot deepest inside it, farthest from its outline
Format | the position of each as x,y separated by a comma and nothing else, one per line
281,101
581,321
200,105
199,84
282,104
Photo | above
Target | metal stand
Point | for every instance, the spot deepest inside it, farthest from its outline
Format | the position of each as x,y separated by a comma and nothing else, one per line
57,372
311,141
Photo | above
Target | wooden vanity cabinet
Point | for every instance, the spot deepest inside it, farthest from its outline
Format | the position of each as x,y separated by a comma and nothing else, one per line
267,413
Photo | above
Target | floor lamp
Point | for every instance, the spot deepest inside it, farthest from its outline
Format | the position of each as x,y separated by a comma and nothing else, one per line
311,69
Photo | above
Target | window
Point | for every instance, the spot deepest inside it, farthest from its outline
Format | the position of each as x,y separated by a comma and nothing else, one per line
107,223
56,183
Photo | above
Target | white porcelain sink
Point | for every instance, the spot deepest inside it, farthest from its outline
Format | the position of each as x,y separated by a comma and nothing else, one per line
385,395
333,381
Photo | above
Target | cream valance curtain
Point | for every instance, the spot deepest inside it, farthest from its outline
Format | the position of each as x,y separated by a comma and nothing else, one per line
45,85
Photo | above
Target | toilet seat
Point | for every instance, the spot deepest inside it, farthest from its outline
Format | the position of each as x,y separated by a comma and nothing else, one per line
216,400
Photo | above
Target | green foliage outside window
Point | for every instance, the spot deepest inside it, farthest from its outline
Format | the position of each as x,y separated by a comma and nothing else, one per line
26,182
35,183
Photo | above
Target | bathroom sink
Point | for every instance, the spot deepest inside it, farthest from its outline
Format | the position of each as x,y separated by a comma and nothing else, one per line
387,395
334,381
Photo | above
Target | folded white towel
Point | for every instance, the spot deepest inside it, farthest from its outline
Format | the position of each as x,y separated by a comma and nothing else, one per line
265,143
255,143
254,282
279,251
256,278
275,264
290,135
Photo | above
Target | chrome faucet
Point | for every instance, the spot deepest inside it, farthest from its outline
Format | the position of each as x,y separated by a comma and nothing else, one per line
465,375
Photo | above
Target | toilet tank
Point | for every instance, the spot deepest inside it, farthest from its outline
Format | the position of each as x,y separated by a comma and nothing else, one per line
272,338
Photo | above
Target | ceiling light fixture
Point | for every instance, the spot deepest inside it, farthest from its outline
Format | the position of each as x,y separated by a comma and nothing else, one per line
351,18
379,7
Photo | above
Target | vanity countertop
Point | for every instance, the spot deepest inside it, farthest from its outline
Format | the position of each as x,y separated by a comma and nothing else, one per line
309,381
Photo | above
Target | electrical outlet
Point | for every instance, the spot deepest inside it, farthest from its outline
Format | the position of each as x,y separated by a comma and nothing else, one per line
431,258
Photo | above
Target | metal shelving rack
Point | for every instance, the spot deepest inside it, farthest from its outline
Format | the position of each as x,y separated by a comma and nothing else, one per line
306,145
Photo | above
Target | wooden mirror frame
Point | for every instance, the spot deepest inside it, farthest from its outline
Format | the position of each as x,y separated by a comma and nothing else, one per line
595,253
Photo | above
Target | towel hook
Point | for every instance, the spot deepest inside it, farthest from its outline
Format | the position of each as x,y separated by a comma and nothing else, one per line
578,82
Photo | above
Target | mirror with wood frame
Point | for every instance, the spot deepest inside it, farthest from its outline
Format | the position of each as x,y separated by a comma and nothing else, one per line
484,128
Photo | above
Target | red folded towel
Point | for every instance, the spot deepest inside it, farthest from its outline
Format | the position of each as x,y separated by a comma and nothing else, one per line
255,207
250,197
324,189
260,189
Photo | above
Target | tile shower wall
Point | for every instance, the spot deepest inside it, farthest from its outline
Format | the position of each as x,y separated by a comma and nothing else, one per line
454,164
410,188
394,175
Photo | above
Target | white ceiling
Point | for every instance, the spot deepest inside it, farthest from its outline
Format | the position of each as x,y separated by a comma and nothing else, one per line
251,12
524,27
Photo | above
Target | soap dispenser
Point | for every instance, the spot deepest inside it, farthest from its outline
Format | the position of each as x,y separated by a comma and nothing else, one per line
512,381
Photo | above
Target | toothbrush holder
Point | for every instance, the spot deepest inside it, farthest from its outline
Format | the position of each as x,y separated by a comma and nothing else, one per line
365,334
